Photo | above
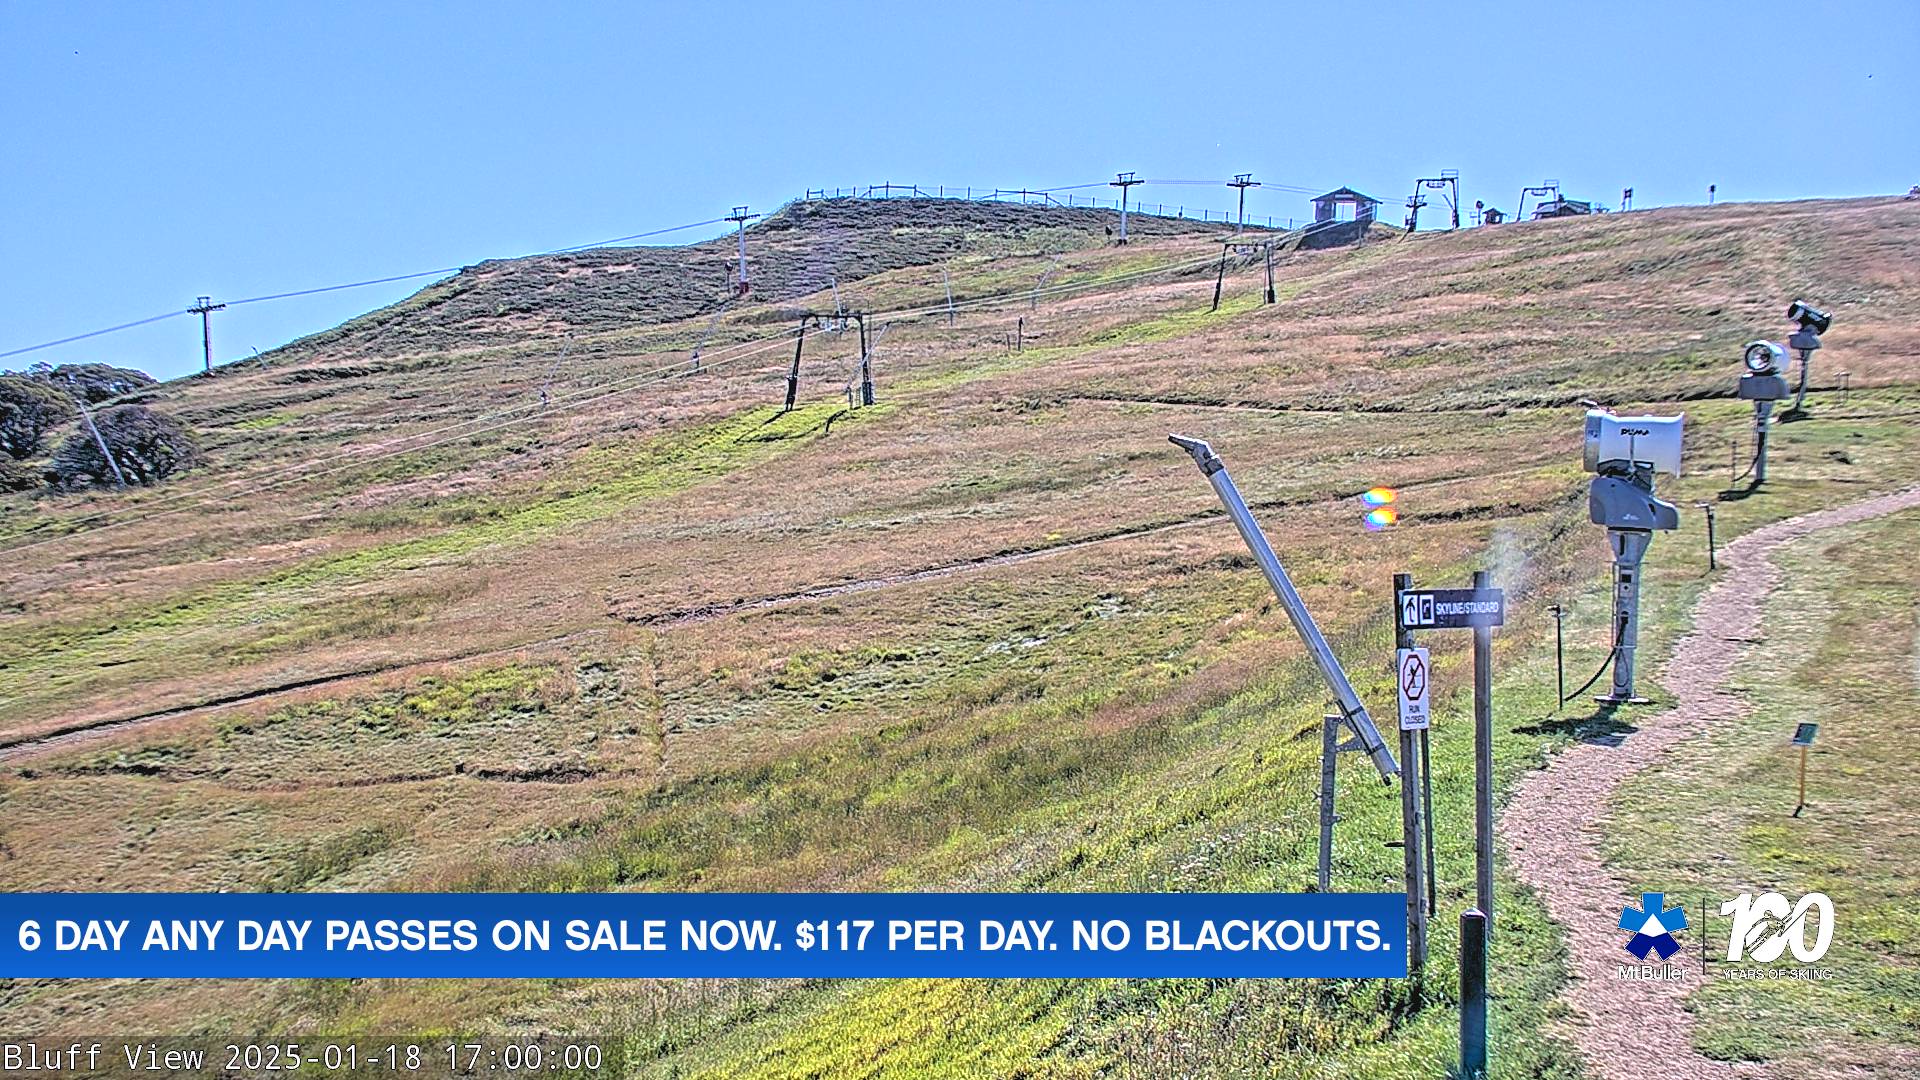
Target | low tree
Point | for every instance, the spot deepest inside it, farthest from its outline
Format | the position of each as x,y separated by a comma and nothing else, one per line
29,408
18,476
94,382
147,445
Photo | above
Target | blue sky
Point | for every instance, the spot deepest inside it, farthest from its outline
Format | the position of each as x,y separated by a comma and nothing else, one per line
161,151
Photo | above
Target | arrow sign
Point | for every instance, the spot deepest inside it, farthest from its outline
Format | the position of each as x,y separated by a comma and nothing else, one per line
1416,685
1444,609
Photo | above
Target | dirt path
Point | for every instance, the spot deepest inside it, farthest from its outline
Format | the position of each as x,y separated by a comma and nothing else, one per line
1552,828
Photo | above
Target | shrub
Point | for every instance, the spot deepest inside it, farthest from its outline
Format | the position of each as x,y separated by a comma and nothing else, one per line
28,410
94,382
17,477
147,445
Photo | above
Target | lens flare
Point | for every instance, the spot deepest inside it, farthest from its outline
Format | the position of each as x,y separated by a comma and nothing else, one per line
1379,496
1380,519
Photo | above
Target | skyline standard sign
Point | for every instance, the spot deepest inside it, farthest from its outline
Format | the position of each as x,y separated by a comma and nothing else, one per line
1451,609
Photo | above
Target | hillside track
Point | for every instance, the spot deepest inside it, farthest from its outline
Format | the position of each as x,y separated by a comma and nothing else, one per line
1554,825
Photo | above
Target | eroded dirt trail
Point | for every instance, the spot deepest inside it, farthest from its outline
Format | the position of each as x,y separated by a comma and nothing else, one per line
1552,827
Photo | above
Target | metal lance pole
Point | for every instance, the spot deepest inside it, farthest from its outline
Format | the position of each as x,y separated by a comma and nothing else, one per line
1559,656
1762,423
1354,713
1473,995
1804,341
1713,558
1629,548
1412,865
1483,757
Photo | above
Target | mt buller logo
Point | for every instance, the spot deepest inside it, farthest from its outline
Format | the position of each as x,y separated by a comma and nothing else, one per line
1653,924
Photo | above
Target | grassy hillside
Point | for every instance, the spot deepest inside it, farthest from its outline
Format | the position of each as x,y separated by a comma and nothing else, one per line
801,249
498,588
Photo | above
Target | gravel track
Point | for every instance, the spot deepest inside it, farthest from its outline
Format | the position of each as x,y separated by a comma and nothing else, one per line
1554,824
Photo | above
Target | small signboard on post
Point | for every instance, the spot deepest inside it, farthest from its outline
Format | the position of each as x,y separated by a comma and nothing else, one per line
1803,734
1416,684
1446,609
1480,609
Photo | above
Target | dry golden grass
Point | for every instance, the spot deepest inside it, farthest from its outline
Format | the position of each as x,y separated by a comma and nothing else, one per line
668,640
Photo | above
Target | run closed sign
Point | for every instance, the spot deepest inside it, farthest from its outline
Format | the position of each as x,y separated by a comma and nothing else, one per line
1416,683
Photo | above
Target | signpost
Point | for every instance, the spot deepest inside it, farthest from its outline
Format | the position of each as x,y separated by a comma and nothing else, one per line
1559,657
1479,609
1803,738
1412,682
1414,687
1415,692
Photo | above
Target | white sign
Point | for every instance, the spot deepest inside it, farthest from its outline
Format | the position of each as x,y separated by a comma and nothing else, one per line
1416,609
1765,926
1416,680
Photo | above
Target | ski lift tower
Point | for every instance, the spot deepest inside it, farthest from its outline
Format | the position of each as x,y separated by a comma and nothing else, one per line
1550,187
1625,453
740,215
1123,181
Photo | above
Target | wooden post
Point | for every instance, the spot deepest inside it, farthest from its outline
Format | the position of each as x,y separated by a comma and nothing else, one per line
1410,831
1483,759
1473,995
1426,821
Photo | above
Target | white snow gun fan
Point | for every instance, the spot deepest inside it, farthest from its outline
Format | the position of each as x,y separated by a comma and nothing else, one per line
1625,453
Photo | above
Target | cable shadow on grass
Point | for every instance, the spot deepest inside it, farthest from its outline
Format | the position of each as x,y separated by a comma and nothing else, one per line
1599,726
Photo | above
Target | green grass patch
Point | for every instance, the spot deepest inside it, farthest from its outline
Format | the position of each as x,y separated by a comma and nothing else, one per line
42,661
1842,649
